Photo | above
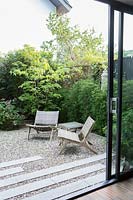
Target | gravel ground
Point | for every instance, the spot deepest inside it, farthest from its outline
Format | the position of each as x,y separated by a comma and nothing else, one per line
14,145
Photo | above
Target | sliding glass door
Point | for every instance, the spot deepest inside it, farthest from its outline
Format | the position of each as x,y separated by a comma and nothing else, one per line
120,96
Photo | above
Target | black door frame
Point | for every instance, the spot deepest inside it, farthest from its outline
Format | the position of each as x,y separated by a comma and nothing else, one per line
110,90
120,75
111,31
122,7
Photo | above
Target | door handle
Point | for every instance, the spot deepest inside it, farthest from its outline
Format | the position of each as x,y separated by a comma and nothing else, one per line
113,105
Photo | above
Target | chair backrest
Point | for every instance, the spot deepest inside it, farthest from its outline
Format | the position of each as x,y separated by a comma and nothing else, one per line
87,127
46,118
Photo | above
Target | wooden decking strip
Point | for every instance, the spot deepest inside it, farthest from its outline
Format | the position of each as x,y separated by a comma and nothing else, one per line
118,191
48,171
68,188
9,193
19,161
7,172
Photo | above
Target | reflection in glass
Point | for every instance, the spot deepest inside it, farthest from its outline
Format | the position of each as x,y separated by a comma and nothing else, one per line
115,91
127,100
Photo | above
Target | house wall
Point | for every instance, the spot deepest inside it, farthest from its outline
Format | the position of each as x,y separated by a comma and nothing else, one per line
23,22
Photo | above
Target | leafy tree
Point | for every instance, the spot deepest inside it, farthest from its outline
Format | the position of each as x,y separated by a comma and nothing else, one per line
32,78
41,81
83,52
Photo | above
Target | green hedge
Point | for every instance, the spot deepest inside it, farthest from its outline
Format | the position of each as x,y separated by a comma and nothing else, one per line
83,99
127,121
127,135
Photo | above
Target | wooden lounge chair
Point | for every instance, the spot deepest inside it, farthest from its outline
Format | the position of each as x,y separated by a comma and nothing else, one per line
80,138
45,121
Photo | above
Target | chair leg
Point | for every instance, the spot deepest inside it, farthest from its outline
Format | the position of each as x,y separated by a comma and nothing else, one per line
63,145
90,143
29,133
61,142
55,133
37,131
51,136
88,146
62,149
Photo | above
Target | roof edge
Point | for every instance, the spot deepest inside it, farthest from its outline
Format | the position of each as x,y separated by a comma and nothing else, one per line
64,4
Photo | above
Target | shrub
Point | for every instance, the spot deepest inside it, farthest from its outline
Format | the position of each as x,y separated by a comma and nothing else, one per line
83,99
9,116
127,122
127,95
127,135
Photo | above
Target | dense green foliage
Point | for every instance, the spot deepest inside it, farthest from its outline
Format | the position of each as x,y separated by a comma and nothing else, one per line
9,116
127,135
83,99
127,95
127,120
31,79
41,80
52,78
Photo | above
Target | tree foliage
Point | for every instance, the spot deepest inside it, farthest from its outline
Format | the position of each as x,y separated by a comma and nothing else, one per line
83,51
33,80
52,78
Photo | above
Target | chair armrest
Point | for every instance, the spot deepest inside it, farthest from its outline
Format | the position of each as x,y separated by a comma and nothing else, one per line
30,125
41,126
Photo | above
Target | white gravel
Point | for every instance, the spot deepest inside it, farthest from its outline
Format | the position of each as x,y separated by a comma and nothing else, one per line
14,145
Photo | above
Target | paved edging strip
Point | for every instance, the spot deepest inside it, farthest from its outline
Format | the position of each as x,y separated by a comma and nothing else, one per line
68,188
19,161
47,171
77,173
48,182
7,172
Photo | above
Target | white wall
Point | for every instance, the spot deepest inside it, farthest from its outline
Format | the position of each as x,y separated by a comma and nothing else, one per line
23,22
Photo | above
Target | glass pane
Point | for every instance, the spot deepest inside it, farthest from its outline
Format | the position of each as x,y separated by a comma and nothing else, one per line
127,98
115,90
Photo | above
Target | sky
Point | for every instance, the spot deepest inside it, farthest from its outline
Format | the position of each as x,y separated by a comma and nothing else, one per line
23,22
88,14
91,13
